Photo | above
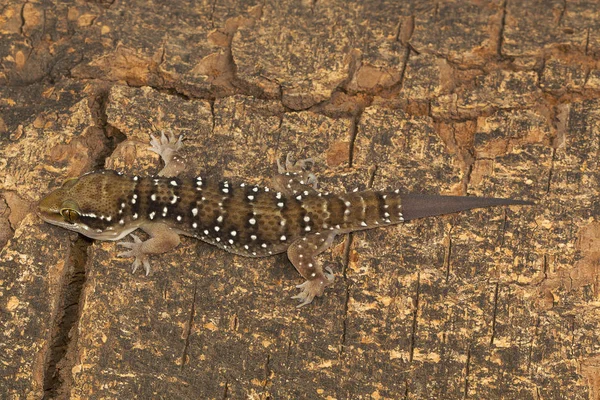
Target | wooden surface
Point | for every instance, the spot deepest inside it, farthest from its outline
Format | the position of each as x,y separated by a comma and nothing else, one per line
496,98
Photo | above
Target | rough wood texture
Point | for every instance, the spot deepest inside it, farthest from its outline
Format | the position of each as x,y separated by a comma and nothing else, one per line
487,97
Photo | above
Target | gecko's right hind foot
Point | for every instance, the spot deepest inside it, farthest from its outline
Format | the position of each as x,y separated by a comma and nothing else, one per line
298,170
290,166
167,147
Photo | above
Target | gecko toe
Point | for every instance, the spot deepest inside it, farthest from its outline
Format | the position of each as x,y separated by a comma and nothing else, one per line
329,274
146,266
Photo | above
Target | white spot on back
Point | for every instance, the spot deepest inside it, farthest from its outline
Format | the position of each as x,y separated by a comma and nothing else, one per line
252,221
194,211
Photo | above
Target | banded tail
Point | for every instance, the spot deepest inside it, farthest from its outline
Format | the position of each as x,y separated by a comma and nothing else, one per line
369,209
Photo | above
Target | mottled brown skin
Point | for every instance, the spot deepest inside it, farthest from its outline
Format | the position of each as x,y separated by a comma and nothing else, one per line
243,219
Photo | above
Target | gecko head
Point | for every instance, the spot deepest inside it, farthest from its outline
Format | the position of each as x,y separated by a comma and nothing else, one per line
81,205
60,208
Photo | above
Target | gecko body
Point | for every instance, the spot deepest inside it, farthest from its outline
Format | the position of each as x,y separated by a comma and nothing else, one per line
291,216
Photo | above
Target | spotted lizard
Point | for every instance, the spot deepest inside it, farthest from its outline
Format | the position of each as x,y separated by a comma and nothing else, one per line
290,216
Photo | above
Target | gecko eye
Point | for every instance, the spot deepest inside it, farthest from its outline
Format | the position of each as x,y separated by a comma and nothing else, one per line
70,211
69,215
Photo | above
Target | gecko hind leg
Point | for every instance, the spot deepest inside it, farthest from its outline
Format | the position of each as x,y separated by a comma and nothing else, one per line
302,254
293,177
168,147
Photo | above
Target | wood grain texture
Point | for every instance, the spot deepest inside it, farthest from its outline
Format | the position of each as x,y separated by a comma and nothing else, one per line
487,98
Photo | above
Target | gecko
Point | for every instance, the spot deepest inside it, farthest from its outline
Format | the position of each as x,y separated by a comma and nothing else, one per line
291,216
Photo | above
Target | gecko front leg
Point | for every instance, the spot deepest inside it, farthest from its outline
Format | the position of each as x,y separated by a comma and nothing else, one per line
162,239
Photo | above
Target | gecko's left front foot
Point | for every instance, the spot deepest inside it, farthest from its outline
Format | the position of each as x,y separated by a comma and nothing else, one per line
141,258
167,147
314,287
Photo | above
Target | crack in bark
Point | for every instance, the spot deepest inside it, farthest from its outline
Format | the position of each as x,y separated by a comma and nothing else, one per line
345,263
500,40
267,372
226,389
353,135
413,332
448,254
495,311
60,356
467,371
188,333
563,11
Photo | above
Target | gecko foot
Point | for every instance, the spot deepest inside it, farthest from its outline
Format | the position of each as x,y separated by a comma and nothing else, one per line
167,147
312,288
167,143
136,251
298,168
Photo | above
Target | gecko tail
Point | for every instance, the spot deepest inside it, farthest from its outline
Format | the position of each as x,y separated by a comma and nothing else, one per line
424,205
